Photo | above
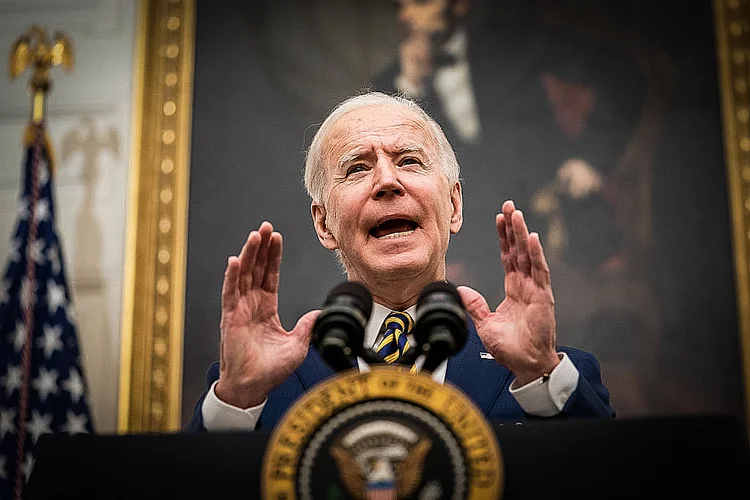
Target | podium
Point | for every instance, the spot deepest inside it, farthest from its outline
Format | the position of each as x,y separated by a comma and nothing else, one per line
705,456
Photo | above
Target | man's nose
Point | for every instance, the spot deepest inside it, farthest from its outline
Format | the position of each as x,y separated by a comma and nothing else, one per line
387,180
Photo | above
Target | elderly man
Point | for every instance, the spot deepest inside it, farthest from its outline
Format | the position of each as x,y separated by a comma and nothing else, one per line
386,198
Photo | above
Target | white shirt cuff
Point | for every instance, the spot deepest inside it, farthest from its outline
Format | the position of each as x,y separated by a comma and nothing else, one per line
546,398
221,416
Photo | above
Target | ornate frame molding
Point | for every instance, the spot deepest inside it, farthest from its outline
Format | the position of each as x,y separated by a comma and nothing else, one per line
154,288
733,53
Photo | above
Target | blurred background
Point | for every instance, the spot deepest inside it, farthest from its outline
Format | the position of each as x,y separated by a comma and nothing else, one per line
600,119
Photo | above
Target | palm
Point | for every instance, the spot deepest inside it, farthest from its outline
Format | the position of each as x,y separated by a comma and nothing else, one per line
257,354
520,333
525,315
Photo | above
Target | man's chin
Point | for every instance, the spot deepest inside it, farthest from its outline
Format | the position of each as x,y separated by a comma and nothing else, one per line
404,265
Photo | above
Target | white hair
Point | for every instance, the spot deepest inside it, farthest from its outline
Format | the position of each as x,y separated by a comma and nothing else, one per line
315,161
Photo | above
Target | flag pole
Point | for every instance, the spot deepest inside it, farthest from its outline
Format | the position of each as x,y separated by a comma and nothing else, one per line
34,49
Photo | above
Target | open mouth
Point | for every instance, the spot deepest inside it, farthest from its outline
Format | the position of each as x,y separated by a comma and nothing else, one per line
393,228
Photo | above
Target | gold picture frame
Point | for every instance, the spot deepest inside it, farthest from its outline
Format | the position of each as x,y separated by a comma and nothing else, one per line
154,285
154,293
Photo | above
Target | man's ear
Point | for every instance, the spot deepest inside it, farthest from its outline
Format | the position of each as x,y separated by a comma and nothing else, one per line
325,236
457,201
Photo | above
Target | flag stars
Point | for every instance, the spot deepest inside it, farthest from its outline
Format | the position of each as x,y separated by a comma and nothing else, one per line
28,465
14,250
12,380
50,341
70,313
36,250
39,424
19,338
46,383
43,173
41,211
54,257
34,303
7,422
74,385
22,208
75,424
56,296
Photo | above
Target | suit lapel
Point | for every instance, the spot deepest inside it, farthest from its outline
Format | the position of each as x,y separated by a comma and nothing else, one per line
481,379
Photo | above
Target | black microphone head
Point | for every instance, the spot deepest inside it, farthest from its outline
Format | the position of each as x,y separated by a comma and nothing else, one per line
354,293
339,331
441,318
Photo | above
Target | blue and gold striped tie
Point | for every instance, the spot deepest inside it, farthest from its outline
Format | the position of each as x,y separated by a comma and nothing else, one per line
395,342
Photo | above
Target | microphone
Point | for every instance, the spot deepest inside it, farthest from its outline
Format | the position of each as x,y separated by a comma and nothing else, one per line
441,329
339,331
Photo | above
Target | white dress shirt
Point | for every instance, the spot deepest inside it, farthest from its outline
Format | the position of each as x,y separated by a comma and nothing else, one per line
453,87
540,397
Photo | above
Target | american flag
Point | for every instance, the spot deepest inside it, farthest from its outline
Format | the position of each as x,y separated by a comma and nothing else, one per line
42,384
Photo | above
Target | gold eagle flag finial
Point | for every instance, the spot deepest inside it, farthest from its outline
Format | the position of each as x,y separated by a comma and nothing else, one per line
34,49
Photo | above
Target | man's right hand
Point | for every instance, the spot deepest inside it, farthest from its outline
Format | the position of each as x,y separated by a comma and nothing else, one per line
256,353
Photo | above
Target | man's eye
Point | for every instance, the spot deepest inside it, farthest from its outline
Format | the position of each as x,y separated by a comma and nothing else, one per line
410,160
355,169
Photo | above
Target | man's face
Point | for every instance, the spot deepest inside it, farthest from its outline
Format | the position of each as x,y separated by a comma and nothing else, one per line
390,209
436,18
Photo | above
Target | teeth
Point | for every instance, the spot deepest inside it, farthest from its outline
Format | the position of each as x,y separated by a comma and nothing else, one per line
396,235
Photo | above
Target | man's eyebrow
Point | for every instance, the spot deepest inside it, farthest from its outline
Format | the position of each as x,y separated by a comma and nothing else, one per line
354,156
408,148
362,154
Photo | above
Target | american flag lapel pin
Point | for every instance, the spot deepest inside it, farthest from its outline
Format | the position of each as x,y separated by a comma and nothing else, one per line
486,355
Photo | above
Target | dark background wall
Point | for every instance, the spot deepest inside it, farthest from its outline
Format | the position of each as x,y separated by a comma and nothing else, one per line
642,272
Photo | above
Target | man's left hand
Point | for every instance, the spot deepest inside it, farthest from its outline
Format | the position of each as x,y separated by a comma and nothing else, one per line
520,333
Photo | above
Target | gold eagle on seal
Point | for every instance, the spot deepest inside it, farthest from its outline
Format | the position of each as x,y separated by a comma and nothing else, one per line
382,459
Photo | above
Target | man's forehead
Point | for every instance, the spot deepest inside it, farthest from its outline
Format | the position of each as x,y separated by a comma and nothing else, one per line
378,116
386,126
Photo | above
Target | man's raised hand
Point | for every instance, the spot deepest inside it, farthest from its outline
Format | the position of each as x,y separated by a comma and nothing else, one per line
256,353
520,333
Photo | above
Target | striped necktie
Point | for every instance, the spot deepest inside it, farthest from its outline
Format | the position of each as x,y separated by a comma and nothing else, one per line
395,342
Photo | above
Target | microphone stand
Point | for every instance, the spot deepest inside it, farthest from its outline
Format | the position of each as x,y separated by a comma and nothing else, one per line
335,351
442,344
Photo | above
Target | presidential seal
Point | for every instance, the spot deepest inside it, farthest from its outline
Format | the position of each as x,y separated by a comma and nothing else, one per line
383,434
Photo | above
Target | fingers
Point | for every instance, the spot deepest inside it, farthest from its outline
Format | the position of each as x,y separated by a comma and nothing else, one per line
247,261
230,287
521,233
539,268
271,277
514,239
508,208
506,257
304,327
475,304
260,260
504,243
525,254
259,269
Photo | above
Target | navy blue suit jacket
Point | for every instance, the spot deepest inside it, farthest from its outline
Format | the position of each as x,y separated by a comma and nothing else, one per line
485,381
